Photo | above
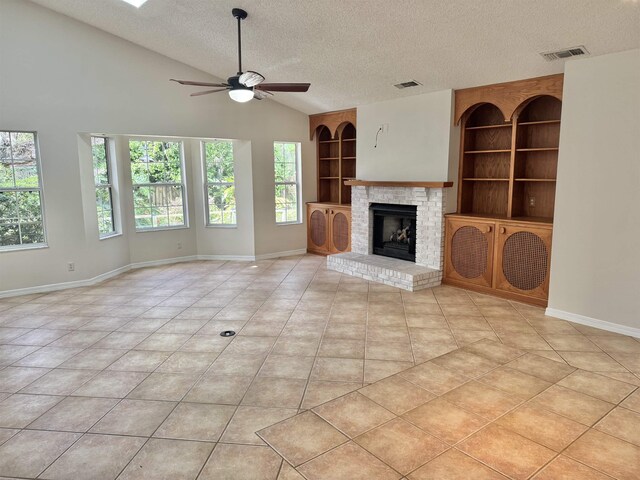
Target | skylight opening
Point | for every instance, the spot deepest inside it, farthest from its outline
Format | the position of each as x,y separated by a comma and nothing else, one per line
135,3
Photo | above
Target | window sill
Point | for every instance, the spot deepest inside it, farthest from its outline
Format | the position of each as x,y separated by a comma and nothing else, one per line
231,227
163,229
20,248
111,235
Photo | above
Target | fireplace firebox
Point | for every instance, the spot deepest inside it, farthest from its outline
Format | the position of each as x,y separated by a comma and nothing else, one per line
394,230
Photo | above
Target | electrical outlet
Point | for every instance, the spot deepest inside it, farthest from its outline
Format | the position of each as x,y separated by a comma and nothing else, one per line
179,245
71,267
532,201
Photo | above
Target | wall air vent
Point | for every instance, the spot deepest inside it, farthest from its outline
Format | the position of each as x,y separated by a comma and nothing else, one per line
410,83
566,53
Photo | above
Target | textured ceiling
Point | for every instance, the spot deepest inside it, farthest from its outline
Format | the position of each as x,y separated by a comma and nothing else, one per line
353,51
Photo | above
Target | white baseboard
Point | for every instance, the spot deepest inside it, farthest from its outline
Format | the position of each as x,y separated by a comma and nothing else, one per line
228,258
287,253
593,322
253,258
152,263
65,285
164,261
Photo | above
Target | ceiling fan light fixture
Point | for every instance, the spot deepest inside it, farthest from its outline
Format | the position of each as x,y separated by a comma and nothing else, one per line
135,3
241,95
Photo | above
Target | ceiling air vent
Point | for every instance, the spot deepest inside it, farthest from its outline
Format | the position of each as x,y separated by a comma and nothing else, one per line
566,53
410,83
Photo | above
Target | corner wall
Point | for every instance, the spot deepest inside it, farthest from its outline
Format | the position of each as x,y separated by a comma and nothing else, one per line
595,265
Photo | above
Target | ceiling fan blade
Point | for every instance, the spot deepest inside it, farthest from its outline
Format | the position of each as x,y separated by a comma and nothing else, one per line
198,84
251,79
206,92
261,94
284,87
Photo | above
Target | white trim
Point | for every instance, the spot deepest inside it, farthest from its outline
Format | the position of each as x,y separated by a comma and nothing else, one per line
65,285
594,322
164,261
152,263
287,253
242,258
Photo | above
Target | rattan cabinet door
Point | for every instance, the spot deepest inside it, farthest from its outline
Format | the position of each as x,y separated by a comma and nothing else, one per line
317,228
523,256
340,220
469,251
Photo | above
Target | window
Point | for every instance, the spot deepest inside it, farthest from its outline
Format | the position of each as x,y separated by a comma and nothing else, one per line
286,162
219,182
21,212
104,186
158,184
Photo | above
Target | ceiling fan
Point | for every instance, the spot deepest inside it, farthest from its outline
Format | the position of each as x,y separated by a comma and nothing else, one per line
244,86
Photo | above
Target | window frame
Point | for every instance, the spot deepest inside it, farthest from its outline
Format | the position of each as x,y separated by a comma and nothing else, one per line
182,185
207,184
111,185
297,183
40,189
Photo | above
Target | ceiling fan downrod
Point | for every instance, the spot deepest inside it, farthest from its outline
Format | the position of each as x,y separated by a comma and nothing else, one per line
240,15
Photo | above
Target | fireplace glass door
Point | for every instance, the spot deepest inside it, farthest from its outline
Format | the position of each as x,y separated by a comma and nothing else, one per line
394,231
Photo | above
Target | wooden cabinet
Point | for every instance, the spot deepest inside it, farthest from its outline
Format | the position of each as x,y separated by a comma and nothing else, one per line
523,259
507,177
510,259
329,228
470,245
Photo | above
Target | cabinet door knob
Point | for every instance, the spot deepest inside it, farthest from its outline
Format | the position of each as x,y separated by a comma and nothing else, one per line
331,212
503,230
489,229
326,211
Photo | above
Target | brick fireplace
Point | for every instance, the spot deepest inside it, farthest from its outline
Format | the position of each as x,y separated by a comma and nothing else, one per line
429,201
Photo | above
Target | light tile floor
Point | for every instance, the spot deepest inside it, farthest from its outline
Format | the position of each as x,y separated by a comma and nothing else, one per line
130,379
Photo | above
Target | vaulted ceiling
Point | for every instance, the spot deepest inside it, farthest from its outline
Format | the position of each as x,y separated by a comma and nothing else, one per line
354,51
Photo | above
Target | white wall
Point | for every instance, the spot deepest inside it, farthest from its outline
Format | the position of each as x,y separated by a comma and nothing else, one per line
595,267
420,144
61,77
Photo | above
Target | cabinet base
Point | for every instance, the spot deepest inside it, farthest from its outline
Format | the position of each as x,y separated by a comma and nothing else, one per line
539,302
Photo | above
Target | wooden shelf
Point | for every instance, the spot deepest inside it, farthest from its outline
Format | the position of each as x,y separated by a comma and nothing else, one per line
541,122
488,151
348,139
328,141
535,179
482,216
329,178
486,179
545,149
485,127
348,158
328,158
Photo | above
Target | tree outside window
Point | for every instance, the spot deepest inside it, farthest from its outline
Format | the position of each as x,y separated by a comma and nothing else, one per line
219,182
158,184
21,210
287,188
104,187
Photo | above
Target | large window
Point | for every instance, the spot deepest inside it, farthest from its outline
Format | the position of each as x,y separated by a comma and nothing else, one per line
220,182
21,212
102,175
158,184
286,165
